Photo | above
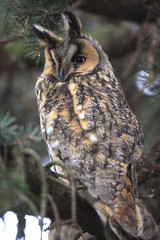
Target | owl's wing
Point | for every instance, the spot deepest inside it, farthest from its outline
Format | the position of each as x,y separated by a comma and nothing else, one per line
122,212
126,212
109,182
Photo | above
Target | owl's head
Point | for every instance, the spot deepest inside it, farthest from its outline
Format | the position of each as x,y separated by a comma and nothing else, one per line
76,54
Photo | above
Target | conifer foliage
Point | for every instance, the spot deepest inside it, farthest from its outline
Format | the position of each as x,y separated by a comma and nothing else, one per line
17,18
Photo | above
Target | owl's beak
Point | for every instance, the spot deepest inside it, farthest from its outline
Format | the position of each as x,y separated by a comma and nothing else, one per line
61,74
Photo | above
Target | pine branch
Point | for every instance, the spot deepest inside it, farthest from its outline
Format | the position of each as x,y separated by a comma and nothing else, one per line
19,17
8,128
8,6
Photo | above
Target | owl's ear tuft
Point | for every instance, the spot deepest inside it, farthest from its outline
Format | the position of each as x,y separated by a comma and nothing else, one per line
72,24
44,36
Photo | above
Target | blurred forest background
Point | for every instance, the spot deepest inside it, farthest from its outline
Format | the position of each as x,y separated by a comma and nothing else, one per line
129,32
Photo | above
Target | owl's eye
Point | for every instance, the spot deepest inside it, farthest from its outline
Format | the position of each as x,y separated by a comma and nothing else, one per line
80,59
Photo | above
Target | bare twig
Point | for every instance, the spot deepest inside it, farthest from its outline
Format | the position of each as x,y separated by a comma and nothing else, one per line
21,152
8,40
27,200
73,188
44,190
74,203
55,212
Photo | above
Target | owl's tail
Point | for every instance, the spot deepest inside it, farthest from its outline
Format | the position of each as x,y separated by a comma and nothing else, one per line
131,218
127,218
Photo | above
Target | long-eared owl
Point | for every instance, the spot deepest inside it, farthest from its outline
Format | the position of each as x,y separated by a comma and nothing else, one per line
88,124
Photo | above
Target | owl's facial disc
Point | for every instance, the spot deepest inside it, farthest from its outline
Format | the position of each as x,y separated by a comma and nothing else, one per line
87,55
79,57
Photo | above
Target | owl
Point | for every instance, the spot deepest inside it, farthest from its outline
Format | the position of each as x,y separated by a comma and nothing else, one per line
88,125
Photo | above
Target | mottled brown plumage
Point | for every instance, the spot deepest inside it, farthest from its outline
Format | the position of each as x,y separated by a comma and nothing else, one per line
88,124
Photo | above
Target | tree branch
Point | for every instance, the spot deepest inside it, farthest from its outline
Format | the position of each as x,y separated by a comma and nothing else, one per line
61,196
